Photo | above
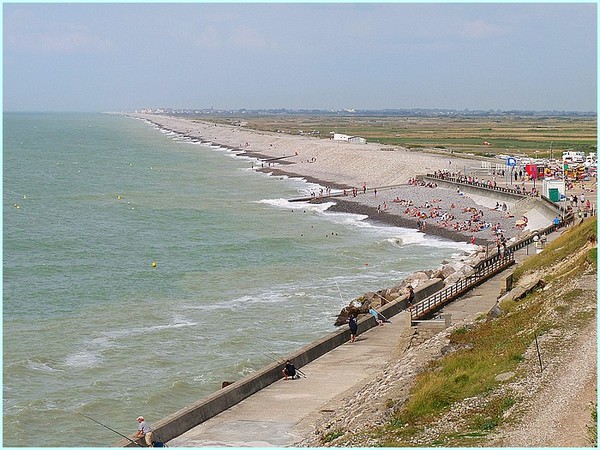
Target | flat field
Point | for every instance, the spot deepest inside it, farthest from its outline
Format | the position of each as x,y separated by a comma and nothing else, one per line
542,137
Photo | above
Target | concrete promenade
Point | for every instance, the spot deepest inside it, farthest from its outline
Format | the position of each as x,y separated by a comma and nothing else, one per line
284,412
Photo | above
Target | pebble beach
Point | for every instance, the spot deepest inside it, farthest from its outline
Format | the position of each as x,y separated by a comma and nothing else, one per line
344,166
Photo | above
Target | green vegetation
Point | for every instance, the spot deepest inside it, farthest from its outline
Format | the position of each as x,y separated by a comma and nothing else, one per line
593,427
490,349
592,257
333,435
532,136
562,248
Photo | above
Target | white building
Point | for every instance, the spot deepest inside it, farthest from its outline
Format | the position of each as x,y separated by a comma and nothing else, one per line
357,140
351,139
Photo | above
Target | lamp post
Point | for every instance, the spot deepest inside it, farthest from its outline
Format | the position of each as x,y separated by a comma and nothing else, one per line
565,194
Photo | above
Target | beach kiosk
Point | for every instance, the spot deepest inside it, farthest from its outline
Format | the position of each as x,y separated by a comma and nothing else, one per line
554,190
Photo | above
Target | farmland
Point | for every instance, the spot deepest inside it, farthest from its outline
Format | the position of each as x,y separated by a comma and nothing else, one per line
542,137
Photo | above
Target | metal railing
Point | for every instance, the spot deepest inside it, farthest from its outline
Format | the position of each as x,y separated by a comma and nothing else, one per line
440,298
481,185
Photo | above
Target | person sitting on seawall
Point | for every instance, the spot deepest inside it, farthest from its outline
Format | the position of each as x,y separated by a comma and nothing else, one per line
289,370
145,431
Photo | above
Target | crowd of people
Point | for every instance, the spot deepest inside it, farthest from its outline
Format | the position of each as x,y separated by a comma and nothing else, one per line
468,219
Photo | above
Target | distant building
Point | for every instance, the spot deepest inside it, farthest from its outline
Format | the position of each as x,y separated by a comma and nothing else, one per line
351,139
357,140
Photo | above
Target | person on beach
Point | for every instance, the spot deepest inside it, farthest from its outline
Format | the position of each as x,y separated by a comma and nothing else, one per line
289,370
144,431
353,324
411,295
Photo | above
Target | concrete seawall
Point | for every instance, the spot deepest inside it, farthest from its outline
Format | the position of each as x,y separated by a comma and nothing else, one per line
469,189
202,410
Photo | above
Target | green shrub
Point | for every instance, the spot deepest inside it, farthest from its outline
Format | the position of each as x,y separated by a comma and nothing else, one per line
332,435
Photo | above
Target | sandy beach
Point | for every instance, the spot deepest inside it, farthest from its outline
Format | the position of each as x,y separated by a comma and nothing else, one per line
343,165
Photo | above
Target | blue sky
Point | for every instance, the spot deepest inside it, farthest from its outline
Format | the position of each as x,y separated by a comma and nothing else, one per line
113,57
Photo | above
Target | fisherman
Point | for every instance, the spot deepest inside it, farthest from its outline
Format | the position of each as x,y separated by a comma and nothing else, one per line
411,295
376,315
145,431
353,324
289,370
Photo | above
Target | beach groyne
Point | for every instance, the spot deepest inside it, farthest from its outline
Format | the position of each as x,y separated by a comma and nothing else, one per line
187,418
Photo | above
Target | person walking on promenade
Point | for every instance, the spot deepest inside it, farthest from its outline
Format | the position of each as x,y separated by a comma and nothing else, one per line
353,324
144,431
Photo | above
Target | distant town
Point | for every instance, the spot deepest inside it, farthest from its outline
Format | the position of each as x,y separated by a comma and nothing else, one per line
414,112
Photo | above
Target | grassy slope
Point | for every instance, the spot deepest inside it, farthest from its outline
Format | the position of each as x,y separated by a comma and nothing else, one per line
493,347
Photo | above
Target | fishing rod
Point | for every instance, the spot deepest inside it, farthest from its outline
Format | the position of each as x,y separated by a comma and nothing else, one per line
384,318
114,431
339,290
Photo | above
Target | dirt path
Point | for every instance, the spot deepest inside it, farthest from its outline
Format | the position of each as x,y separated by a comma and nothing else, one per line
561,410
560,400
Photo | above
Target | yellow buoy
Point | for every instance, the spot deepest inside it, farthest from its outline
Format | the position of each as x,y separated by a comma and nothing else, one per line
118,197
153,264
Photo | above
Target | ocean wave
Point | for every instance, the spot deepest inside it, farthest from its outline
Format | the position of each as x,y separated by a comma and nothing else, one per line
181,384
83,359
43,365
178,323
244,300
286,204
91,354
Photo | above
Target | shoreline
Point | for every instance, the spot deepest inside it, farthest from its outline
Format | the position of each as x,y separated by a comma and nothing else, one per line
343,163
386,217
399,221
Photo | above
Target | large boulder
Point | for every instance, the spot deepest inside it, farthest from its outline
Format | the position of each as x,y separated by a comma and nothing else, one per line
495,312
453,278
416,278
444,272
356,307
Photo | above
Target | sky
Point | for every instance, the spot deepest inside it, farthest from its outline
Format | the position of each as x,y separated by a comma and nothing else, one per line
84,57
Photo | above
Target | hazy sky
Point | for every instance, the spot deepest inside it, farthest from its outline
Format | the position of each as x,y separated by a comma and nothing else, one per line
109,57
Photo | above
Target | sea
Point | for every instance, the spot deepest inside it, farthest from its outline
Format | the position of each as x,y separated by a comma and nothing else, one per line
141,269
